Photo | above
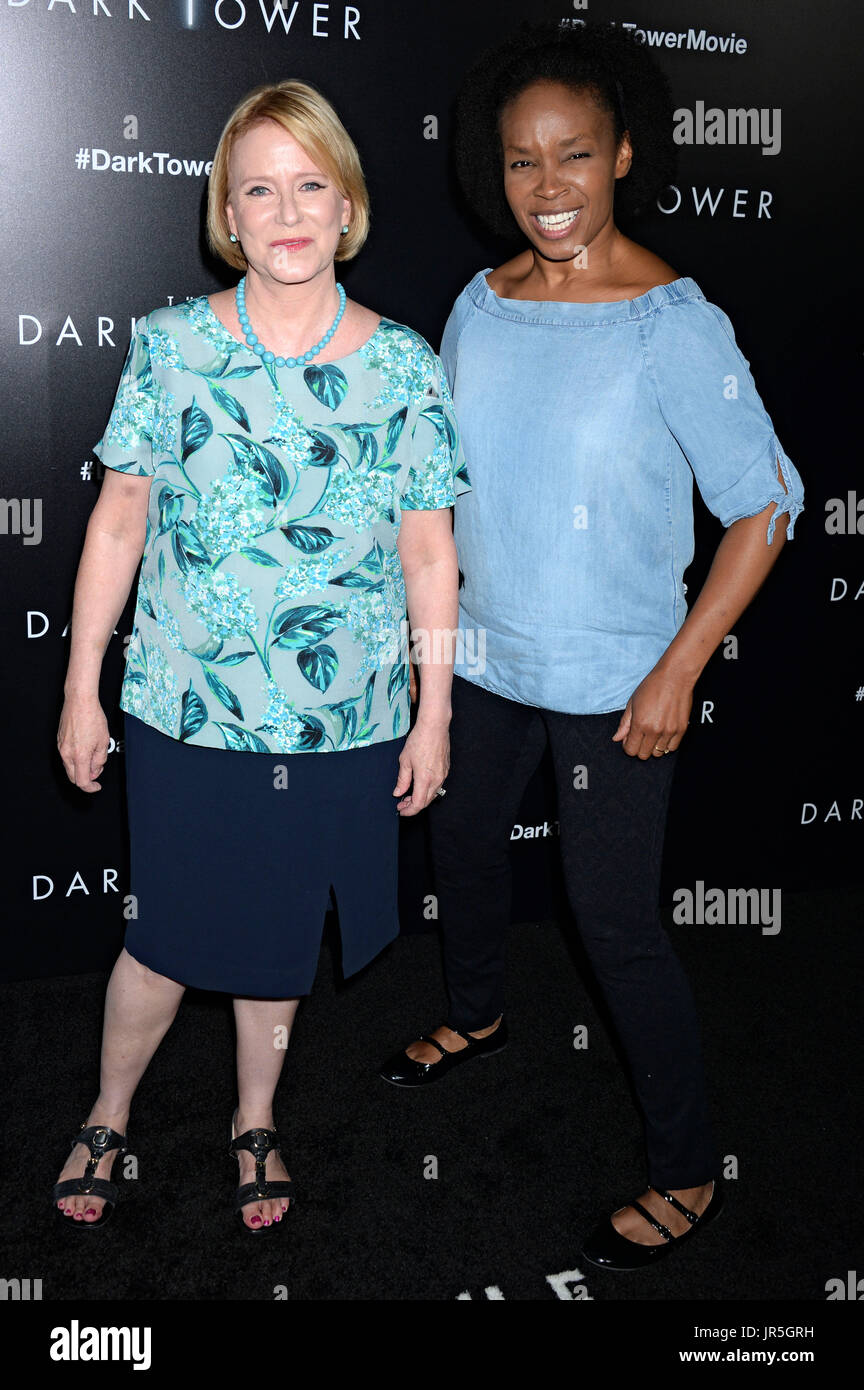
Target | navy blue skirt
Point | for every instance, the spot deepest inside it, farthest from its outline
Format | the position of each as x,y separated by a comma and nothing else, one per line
232,872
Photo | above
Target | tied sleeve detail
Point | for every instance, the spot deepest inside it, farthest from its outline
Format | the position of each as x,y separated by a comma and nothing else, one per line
708,399
757,487
792,500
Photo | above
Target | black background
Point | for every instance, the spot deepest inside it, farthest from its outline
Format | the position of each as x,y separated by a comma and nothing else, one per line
786,723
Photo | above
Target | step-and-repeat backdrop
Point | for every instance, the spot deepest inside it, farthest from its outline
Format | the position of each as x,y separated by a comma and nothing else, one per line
111,110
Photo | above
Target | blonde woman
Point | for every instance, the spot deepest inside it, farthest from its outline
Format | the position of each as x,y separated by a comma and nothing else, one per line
282,461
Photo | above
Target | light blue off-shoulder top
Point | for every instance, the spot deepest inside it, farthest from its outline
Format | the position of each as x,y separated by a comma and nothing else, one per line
585,426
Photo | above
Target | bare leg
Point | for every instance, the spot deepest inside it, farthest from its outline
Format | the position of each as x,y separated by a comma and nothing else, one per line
263,1029
140,1007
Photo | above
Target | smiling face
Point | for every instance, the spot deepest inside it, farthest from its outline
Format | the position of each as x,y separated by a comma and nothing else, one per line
285,210
560,166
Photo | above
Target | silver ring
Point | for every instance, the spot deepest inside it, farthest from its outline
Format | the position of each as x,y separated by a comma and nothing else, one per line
440,792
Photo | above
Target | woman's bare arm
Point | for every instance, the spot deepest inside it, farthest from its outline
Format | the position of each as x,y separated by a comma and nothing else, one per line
428,555
657,714
113,548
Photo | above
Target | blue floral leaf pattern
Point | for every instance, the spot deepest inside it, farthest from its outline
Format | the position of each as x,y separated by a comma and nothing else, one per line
260,557
241,740
240,372
310,539
398,680
395,426
368,574
193,713
312,735
298,644
217,372
188,547
144,375
442,422
196,428
323,452
356,579
363,436
346,710
231,405
209,650
328,384
232,659
224,694
304,625
367,694
319,665
170,507
262,465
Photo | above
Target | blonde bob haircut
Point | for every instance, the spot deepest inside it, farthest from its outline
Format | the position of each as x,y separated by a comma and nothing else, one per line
309,118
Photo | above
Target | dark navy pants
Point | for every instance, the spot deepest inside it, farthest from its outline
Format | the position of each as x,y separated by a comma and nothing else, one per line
611,847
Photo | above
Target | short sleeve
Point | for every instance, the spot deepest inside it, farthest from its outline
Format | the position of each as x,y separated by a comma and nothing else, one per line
439,473
450,340
710,404
137,413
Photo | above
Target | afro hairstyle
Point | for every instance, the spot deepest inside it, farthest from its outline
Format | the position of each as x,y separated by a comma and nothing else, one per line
621,75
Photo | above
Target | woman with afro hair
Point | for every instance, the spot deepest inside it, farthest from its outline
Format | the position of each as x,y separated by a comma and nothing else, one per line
592,383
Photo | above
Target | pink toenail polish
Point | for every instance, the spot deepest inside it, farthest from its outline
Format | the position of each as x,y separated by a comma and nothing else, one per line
267,1222
91,1211
256,1221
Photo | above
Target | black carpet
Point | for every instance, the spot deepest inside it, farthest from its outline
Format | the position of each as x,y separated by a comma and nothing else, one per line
531,1145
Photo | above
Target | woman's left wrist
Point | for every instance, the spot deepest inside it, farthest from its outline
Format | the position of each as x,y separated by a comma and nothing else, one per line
433,718
680,666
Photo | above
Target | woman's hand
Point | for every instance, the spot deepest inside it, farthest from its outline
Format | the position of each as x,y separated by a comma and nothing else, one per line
657,715
423,765
83,740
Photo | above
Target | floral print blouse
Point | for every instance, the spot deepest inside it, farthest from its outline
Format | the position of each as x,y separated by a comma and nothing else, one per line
270,612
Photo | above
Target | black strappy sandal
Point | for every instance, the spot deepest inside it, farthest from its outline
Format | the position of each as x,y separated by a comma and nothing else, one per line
99,1139
608,1248
259,1142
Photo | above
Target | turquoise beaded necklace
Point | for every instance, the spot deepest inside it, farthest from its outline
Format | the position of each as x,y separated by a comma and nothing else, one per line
264,353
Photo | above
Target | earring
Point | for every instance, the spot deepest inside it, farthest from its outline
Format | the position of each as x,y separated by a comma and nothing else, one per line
232,237
344,229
